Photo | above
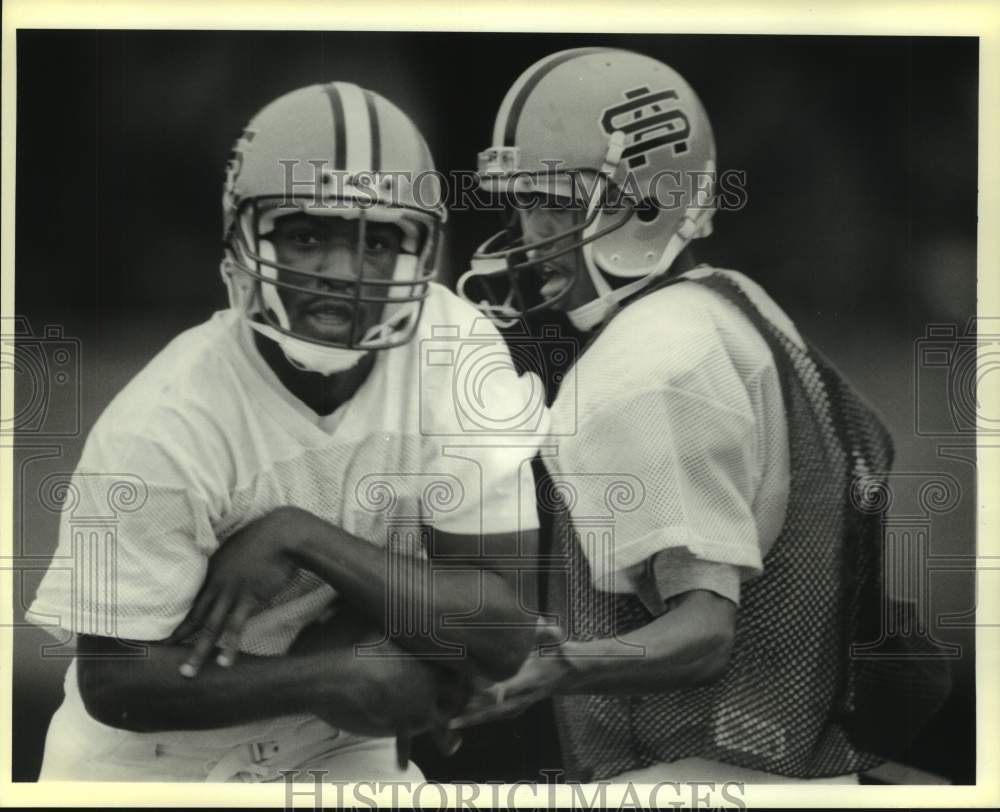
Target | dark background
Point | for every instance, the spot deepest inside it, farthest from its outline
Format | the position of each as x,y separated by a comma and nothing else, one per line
860,158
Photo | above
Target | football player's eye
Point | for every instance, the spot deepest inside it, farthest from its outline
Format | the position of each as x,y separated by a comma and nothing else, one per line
305,238
376,243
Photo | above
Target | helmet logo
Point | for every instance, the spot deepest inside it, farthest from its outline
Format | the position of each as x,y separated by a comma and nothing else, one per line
643,117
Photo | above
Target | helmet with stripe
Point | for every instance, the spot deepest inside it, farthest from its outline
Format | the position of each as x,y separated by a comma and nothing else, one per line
623,139
333,150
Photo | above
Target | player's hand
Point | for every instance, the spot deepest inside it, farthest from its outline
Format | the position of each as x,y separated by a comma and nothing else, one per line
248,569
546,672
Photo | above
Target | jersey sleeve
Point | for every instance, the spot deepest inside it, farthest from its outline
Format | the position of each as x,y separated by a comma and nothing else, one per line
685,447
674,571
496,488
133,547
488,424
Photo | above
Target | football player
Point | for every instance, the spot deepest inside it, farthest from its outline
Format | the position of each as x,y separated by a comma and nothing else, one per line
273,598
700,632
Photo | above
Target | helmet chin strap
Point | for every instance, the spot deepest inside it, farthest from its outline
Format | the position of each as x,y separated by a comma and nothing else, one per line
305,355
586,317
310,357
326,360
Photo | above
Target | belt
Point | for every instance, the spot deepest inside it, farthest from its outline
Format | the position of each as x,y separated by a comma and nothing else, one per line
263,760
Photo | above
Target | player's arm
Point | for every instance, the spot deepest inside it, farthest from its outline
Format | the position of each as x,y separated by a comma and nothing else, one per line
693,605
688,646
461,604
695,456
147,692
127,687
428,595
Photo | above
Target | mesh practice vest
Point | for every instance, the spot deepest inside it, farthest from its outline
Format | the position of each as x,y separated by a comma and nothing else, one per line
793,701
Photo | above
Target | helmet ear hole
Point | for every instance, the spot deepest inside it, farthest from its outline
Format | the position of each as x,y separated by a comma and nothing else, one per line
647,211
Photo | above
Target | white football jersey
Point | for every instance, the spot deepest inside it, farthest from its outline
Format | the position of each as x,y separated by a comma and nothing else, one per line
671,434
205,439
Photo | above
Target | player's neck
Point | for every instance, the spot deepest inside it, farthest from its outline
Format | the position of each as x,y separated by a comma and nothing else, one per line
324,394
685,262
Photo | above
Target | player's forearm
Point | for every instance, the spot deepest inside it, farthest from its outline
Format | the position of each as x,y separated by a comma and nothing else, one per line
146,693
421,604
686,647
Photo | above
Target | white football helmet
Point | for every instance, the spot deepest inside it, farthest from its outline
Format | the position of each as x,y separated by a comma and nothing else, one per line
342,151
626,140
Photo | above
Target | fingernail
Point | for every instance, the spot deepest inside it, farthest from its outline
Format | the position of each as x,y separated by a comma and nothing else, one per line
188,670
224,660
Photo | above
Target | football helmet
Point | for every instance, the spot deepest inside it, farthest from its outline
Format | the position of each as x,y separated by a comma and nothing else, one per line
623,138
333,150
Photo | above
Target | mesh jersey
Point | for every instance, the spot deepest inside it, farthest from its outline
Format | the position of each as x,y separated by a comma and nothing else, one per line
205,439
796,699
679,402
